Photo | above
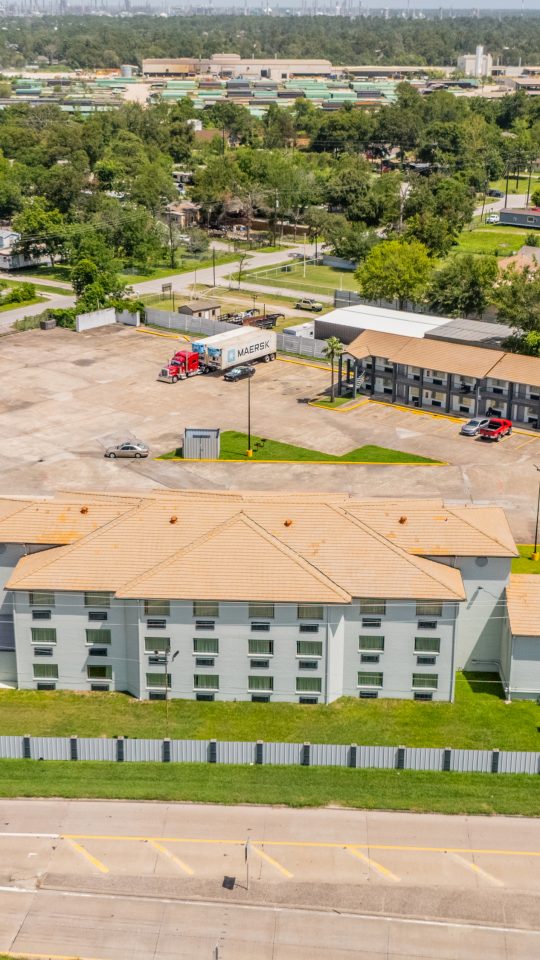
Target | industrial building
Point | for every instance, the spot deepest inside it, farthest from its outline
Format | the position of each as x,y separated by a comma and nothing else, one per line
477,64
268,596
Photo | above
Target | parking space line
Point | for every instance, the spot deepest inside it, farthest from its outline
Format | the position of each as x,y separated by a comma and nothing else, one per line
525,442
171,856
476,869
88,856
373,864
265,856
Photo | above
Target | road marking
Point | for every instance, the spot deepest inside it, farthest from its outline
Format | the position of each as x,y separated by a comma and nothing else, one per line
304,363
525,442
476,869
266,856
44,836
168,336
167,853
93,860
373,864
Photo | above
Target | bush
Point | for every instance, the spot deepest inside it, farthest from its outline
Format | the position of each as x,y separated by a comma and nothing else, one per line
532,240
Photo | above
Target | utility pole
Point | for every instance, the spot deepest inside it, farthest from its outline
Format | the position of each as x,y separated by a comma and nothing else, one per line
536,554
214,266
171,243
249,451
167,654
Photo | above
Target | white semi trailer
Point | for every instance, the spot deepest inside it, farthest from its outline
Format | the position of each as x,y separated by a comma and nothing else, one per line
235,347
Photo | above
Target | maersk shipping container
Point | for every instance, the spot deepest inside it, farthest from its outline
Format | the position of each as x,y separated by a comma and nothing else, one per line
244,345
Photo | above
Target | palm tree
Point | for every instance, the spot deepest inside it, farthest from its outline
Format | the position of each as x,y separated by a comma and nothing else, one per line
332,351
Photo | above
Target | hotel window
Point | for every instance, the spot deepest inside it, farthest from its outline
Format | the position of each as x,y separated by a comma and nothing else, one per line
371,643
429,608
261,682
157,608
373,606
99,672
429,680
206,681
158,680
427,644
309,611
309,648
157,644
308,684
369,679
261,611
258,646
41,598
205,645
45,671
43,635
205,608
97,598
98,636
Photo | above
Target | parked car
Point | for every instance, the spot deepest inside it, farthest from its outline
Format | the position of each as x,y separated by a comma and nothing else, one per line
239,373
496,193
496,429
472,427
133,448
307,303
493,218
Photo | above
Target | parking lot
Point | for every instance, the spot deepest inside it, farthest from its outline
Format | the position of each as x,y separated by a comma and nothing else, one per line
66,397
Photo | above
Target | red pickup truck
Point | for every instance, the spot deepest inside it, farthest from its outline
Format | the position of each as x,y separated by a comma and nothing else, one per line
496,429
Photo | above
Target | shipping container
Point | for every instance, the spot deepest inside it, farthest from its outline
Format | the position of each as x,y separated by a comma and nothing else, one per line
245,345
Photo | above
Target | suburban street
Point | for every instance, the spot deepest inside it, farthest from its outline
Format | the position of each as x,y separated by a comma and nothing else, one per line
155,880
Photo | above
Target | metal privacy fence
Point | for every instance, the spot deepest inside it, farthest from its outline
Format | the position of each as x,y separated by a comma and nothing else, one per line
123,749
298,346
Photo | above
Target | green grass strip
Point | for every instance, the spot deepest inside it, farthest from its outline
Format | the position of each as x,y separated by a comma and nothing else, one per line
234,446
457,793
523,563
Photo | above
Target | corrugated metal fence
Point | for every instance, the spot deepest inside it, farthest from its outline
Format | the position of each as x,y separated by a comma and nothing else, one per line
298,346
260,752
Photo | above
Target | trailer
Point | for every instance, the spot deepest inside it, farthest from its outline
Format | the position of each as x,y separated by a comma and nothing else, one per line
226,350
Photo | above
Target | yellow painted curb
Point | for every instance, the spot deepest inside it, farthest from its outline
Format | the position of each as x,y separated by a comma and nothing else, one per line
304,363
417,411
331,463
342,409
168,336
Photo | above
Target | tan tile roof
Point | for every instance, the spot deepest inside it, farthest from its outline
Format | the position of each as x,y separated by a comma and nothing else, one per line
523,604
430,528
55,521
429,354
518,369
238,560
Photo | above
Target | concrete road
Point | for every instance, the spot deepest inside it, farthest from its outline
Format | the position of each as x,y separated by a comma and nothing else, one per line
151,880
54,301
494,205
91,390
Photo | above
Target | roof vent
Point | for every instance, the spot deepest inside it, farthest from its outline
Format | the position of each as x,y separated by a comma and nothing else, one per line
84,509
288,523
173,519
403,520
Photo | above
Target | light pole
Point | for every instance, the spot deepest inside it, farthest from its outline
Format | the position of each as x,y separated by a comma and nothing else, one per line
249,451
174,656
536,554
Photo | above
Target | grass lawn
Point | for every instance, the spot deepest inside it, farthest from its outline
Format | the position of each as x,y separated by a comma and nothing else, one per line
317,280
185,265
327,404
457,793
234,446
479,718
25,303
521,185
60,271
501,241
50,288
523,563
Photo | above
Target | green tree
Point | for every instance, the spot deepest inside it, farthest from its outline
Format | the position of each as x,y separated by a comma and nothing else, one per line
436,233
352,241
332,351
41,230
517,298
395,270
464,285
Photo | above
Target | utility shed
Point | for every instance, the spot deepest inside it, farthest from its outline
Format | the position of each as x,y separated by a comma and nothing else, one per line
201,443
347,322
520,658
206,309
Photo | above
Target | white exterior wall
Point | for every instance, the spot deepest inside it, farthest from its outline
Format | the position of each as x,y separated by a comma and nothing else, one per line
525,668
481,618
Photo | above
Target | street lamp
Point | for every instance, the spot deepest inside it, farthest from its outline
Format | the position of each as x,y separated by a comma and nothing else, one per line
536,554
249,451
166,660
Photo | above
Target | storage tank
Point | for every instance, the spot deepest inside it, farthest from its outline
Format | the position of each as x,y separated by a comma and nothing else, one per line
126,71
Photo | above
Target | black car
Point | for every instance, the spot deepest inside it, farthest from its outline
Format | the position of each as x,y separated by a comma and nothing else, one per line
496,193
239,373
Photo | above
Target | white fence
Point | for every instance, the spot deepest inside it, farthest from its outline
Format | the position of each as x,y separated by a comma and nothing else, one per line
128,750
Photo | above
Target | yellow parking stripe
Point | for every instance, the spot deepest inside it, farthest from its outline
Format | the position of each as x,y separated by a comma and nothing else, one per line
373,864
88,856
167,853
269,859
45,956
476,869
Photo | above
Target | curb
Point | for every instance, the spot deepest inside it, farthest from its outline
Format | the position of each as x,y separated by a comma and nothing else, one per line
330,463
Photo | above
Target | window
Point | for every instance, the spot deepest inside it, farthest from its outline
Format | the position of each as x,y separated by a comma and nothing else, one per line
205,645
261,682
41,598
423,696
43,651
44,671
98,652
204,696
97,615
308,664
157,608
155,624
426,661
43,635
46,686
206,681
425,680
205,625
427,625
370,658
261,627
157,659
96,598
158,680
311,700
309,648
366,679
427,608
99,687
205,608
155,695
205,662
264,647
309,611
373,606
308,684
309,628
261,611
98,636
157,644
427,644
41,614
371,622
368,694
99,672
371,643
260,698
259,664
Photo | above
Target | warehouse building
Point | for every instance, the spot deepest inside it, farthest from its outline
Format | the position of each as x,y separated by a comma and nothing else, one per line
257,596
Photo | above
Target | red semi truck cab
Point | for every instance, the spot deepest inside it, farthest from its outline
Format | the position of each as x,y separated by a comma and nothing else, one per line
496,429
184,364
